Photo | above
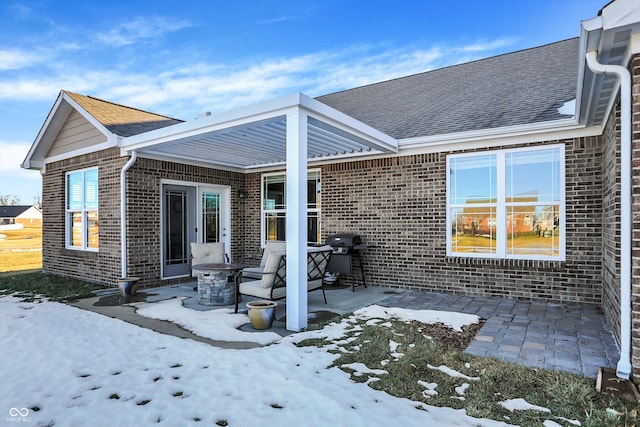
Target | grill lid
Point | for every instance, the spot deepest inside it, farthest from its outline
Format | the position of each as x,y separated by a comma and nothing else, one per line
343,240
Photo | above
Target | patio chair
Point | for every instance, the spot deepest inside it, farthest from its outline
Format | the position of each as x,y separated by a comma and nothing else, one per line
272,285
207,253
269,247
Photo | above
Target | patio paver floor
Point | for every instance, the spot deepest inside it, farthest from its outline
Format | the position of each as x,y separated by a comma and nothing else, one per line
565,337
571,338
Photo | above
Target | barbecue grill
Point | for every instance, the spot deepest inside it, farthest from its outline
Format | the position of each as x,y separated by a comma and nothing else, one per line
346,249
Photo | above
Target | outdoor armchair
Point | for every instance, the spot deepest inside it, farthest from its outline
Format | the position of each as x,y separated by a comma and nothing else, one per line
273,282
270,246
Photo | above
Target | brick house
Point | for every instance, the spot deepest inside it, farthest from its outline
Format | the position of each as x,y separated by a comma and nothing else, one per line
26,215
405,163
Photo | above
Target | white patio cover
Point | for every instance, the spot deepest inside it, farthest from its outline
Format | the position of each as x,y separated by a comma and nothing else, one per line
288,131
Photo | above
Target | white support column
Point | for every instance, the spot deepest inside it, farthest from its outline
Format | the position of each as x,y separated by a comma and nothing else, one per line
296,221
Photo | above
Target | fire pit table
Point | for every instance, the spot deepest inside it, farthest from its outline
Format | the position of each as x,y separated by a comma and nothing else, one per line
217,283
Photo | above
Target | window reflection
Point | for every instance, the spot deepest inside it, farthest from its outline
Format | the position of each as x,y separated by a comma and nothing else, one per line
274,207
507,203
474,229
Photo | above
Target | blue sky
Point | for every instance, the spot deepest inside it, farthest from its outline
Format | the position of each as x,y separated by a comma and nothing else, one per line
183,58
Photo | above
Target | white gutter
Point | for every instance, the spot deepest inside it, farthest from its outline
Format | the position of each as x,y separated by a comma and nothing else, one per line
123,212
626,220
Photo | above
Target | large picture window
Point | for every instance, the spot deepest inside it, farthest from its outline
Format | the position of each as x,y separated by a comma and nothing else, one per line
274,207
507,204
81,224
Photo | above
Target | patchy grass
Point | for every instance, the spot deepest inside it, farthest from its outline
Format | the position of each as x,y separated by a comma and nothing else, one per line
412,360
33,285
21,249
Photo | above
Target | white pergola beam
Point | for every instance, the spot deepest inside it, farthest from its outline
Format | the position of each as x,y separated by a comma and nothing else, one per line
296,220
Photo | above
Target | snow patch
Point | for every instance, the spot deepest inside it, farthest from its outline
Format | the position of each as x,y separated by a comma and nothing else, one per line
452,372
361,368
221,324
451,319
568,108
521,405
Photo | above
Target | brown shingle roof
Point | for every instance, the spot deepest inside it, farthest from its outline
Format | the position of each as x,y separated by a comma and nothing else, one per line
119,119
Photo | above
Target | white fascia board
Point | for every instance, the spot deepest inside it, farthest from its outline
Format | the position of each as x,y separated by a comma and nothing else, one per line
620,13
590,35
81,151
264,111
32,164
229,119
592,24
558,129
340,120
37,163
54,115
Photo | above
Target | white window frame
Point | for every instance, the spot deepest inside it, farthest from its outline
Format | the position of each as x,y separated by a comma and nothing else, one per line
501,206
264,212
68,225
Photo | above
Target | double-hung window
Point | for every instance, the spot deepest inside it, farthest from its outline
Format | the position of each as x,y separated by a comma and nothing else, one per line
81,222
274,206
507,204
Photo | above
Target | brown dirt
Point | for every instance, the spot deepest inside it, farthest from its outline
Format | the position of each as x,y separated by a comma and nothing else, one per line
448,337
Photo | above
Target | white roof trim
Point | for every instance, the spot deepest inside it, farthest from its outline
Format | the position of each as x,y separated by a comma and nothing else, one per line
79,152
545,129
254,136
35,158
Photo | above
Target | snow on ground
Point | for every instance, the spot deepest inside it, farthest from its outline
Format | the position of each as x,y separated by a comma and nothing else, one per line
220,324
521,405
452,372
448,318
65,366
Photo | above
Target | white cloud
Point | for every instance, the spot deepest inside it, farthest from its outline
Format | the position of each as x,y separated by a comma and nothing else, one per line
21,183
488,45
14,59
185,91
11,155
141,29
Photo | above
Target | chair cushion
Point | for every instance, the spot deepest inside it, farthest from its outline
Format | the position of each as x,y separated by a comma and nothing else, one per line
205,253
272,246
270,268
254,288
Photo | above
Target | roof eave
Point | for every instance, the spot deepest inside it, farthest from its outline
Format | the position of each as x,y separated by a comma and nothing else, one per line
615,35
36,157
534,132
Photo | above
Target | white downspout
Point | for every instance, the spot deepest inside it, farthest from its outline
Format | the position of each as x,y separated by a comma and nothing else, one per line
626,218
123,212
